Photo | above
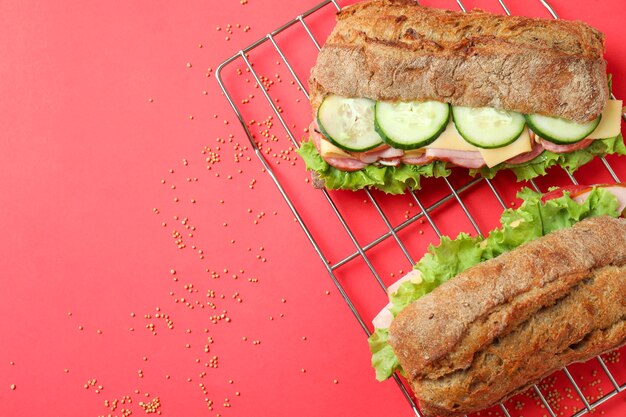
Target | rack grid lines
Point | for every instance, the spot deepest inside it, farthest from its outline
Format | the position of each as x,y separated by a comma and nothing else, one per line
455,196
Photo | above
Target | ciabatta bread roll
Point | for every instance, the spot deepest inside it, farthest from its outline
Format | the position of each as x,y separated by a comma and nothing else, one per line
508,322
396,50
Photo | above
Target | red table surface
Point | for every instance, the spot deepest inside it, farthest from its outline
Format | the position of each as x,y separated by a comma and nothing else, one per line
147,262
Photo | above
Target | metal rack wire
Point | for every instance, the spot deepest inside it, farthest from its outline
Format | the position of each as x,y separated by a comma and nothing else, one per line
361,251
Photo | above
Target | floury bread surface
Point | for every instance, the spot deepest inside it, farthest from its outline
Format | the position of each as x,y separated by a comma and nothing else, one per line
397,50
508,322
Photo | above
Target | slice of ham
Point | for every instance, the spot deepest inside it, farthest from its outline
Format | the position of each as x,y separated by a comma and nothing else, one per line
580,193
553,147
384,154
422,159
378,153
384,317
618,190
527,156
464,159
316,136
343,164
390,162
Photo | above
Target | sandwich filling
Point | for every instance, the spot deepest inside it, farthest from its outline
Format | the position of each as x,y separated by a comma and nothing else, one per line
356,143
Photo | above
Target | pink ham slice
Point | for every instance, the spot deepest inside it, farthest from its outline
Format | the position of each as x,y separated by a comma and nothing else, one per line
343,164
553,147
422,159
316,136
384,154
618,190
385,317
464,159
378,153
579,193
390,162
528,156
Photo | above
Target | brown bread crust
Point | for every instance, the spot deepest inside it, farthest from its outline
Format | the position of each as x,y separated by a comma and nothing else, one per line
508,322
397,50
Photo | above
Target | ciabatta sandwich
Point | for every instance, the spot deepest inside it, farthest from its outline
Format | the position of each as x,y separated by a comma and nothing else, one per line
401,92
481,319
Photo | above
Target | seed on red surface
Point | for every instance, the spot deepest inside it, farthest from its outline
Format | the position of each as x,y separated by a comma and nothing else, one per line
13,387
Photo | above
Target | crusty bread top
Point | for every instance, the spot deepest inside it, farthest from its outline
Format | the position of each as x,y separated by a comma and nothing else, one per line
398,50
429,336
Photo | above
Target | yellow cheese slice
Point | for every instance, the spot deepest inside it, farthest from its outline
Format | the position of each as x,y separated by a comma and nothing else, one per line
451,139
521,145
611,122
328,150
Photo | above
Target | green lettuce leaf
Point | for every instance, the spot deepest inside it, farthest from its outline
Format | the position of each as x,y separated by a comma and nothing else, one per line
395,180
437,266
533,219
384,360
391,180
569,161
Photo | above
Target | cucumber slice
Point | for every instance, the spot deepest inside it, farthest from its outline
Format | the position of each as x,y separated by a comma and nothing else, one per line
560,131
487,127
411,125
349,123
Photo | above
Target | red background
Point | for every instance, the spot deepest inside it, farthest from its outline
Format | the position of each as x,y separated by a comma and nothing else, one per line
146,254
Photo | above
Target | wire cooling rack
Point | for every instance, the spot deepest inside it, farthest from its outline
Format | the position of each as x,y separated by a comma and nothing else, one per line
453,196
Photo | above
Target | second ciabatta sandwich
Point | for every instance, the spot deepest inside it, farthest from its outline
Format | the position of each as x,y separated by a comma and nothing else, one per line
401,91
480,319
